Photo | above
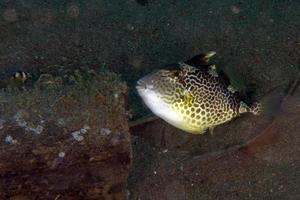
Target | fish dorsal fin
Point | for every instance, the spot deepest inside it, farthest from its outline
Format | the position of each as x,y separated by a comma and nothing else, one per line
201,60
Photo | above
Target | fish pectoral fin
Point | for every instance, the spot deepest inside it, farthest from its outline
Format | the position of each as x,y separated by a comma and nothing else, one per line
213,70
187,97
231,89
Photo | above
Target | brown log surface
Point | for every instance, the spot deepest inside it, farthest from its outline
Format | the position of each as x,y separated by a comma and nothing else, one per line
62,146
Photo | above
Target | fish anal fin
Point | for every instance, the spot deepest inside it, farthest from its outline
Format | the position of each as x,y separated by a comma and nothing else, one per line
211,130
198,132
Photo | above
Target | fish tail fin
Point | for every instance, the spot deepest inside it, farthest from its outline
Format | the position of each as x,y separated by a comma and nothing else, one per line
255,108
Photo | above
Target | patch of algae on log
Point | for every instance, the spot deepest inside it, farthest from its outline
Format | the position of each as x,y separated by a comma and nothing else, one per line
69,97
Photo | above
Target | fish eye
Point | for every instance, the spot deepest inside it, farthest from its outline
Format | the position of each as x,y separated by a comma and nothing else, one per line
175,73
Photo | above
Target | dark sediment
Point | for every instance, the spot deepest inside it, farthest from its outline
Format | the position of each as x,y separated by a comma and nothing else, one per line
257,46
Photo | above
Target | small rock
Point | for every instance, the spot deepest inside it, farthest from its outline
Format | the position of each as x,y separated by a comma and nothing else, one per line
85,129
281,187
2,123
61,122
181,167
235,9
116,95
73,11
10,15
76,135
105,131
10,140
61,154
130,27
64,58
115,141
19,119
38,130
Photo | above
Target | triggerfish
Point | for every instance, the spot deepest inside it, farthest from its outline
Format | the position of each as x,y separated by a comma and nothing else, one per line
193,97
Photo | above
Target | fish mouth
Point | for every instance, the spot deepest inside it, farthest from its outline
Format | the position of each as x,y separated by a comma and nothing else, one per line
141,85
146,82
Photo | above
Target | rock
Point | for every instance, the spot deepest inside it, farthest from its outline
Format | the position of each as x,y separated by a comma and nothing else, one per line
10,15
235,10
73,11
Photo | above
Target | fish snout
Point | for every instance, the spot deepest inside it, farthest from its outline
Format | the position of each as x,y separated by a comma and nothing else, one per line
144,83
141,85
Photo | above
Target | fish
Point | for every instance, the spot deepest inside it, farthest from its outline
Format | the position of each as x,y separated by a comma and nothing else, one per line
18,79
21,76
193,96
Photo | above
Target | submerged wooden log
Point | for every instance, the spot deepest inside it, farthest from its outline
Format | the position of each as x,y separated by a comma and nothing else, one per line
65,140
